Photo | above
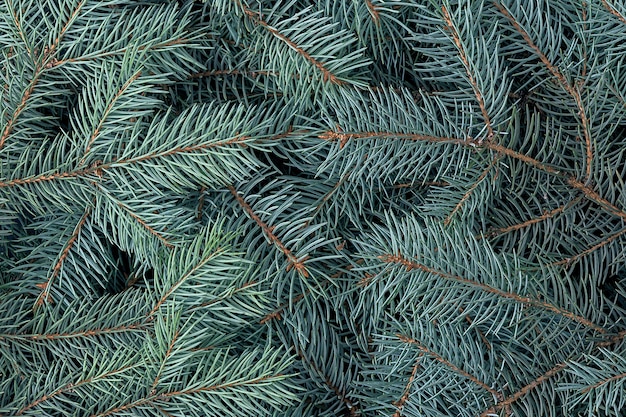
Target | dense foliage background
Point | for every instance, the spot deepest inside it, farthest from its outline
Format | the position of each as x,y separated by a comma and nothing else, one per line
312,208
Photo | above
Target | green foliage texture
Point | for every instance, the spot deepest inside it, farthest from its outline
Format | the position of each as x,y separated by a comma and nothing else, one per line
312,208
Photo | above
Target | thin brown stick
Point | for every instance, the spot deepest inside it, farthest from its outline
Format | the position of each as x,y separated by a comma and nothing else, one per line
469,192
448,364
373,12
293,262
97,169
468,69
152,398
48,57
106,112
327,75
523,391
614,12
570,89
217,252
604,381
592,249
45,296
407,389
84,333
411,265
68,387
145,225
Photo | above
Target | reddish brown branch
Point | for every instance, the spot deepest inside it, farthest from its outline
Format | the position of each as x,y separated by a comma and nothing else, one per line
85,333
97,169
469,192
145,225
151,399
411,265
182,279
449,364
605,381
48,57
167,355
69,387
570,89
293,262
45,296
407,390
108,110
214,73
527,223
523,391
373,12
592,249
328,76
468,69
614,12
594,196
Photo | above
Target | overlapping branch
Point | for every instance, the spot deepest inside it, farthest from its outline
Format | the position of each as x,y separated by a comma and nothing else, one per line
572,90
428,352
399,259
45,296
293,261
327,75
42,65
468,69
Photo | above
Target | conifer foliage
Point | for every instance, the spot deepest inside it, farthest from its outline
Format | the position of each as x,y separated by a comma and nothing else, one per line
312,208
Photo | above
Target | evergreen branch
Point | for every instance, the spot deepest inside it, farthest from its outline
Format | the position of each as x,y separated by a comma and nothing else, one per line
411,265
218,251
613,339
373,12
448,364
343,138
326,198
469,191
463,55
603,382
592,249
168,353
251,73
230,294
276,314
590,194
480,333
99,168
121,51
45,296
18,26
527,223
294,262
71,386
72,335
143,223
43,64
174,394
571,90
613,11
106,112
328,76
407,389
341,394
523,391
